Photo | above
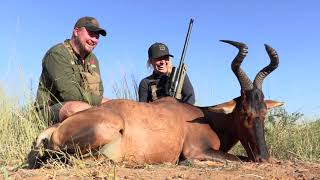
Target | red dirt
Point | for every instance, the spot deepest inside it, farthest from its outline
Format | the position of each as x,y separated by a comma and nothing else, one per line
198,170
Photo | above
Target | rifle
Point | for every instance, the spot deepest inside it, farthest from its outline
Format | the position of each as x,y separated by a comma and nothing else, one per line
177,75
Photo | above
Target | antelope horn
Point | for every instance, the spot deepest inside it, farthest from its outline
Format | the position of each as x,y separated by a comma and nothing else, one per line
243,79
274,61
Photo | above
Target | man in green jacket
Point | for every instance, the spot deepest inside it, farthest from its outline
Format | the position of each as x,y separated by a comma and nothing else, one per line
70,80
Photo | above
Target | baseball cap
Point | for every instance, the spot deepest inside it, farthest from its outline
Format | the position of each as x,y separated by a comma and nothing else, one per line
91,24
157,50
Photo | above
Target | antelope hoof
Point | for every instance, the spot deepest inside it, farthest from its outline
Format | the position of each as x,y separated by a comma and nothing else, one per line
42,141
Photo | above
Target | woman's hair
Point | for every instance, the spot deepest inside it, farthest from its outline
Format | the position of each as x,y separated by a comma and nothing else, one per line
149,65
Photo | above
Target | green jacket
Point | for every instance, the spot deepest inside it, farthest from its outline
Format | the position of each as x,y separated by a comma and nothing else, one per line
60,80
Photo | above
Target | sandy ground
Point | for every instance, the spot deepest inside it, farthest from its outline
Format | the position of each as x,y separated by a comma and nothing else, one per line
196,170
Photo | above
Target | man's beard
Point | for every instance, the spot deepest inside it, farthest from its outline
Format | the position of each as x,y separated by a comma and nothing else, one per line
82,47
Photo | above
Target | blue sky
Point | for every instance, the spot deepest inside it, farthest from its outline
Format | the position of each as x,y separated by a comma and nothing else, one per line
30,28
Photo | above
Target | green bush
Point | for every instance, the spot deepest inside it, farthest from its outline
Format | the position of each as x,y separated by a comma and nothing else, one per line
289,136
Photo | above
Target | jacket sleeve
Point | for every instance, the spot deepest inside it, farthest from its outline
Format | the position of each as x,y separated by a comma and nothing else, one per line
188,95
61,72
143,91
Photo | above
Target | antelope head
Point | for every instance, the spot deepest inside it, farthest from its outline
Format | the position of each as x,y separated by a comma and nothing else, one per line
250,109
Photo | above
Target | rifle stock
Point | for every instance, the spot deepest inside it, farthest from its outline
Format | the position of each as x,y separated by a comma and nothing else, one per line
177,75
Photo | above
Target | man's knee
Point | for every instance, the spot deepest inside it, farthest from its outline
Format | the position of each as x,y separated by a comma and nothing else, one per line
50,114
72,107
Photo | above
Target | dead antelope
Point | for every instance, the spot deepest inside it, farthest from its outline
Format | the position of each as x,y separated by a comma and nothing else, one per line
245,115
167,130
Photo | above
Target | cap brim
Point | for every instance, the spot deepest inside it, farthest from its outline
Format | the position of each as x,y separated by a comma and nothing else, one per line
161,55
96,29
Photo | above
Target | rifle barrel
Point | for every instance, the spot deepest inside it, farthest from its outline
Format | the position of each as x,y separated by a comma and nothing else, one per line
179,70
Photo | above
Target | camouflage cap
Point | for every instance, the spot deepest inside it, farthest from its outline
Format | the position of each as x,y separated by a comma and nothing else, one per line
157,50
91,24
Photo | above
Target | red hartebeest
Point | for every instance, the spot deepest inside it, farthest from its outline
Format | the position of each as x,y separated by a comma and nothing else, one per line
167,130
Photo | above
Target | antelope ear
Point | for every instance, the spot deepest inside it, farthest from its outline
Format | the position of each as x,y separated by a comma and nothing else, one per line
225,108
272,104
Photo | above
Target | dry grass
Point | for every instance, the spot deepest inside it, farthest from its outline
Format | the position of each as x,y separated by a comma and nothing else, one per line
19,127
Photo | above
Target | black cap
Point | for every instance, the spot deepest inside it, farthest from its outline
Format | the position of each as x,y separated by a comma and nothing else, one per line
91,24
157,50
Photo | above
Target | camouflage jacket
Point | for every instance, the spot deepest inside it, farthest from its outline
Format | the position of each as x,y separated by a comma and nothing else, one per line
60,80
